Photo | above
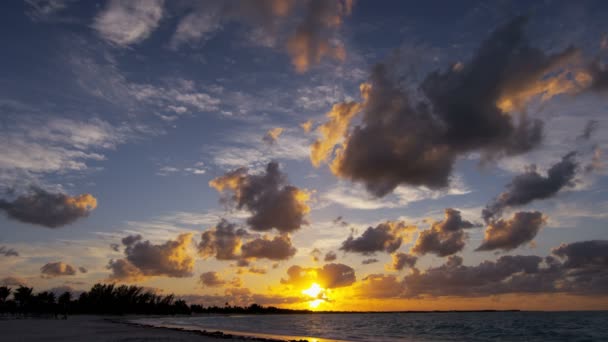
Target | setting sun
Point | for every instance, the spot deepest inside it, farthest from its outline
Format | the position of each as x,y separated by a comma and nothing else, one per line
317,292
314,290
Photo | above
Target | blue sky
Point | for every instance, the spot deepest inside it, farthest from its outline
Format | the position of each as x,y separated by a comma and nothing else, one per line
141,104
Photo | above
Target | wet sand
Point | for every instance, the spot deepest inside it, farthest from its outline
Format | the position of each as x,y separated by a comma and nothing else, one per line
98,329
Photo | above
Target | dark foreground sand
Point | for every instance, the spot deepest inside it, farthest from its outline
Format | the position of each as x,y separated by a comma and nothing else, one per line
94,329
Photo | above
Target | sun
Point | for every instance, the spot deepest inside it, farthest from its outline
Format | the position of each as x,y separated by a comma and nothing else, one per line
315,291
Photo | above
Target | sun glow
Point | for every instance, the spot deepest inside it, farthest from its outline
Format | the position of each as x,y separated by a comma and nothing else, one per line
315,291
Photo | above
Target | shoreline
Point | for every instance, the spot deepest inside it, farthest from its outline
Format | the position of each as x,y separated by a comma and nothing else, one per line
220,334
91,328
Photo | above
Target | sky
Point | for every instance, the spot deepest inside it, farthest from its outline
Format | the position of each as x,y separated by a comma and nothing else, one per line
330,155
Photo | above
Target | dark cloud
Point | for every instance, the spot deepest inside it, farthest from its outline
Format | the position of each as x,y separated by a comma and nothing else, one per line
340,221
583,254
402,261
273,203
222,241
228,242
278,248
115,247
51,210
123,270
467,109
7,252
385,237
512,233
589,129
330,256
57,269
487,278
531,186
369,261
131,239
212,279
444,237
380,286
83,269
145,259
253,270
328,277
576,268
599,77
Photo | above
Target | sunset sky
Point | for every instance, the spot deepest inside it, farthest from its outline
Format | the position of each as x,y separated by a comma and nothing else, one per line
334,155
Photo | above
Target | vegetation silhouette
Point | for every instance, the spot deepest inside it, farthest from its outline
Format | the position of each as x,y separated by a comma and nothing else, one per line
109,299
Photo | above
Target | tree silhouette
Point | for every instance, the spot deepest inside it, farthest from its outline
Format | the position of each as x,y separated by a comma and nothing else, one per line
5,291
116,300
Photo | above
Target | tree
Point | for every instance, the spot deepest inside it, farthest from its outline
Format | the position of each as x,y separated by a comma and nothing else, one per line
5,291
23,295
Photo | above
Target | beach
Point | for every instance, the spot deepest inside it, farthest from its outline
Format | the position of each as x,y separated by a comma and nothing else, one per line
95,329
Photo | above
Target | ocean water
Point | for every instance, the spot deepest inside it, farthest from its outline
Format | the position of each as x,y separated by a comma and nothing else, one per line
453,326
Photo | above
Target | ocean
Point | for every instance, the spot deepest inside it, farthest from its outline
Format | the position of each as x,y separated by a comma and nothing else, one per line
446,326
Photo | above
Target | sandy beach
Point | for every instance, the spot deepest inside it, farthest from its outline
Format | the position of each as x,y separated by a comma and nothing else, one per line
93,329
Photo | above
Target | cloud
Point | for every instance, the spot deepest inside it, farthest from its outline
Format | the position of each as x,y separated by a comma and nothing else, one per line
330,256
45,10
278,248
212,279
129,22
13,281
222,241
83,269
312,40
227,242
51,210
445,237
272,202
144,259
470,109
272,135
329,276
512,233
369,261
306,126
589,129
333,131
488,278
583,254
123,270
385,237
582,272
31,144
599,77
354,196
380,286
402,261
7,252
57,269
531,186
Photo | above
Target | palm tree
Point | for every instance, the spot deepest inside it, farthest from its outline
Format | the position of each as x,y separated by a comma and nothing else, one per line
23,296
5,291
65,298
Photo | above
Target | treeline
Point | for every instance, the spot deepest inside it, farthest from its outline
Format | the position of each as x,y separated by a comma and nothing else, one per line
108,299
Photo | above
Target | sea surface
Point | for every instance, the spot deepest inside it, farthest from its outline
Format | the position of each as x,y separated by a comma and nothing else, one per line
448,326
